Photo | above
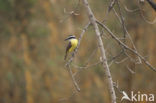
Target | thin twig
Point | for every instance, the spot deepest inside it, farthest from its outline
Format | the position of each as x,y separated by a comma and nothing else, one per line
131,10
72,57
73,79
91,56
121,19
121,61
86,67
130,70
73,12
144,18
111,5
109,9
116,56
81,35
141,13
126,47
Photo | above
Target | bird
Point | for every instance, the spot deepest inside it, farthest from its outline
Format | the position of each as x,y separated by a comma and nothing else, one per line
73,42
152,3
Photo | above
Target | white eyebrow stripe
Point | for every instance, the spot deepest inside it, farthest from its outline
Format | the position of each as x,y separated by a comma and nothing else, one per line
70,37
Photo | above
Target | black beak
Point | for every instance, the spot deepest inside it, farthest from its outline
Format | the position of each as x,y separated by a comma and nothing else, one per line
66,39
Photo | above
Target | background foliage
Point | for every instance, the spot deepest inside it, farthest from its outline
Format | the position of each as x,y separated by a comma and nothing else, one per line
32,46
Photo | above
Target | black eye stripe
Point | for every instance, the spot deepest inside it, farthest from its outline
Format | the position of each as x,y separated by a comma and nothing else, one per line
71,37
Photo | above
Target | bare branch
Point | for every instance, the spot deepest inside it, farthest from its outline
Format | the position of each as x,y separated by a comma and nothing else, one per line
81,35
141,13
126,47
122,21
144,18
71,59
91,56
109,9
111,5
102,50
86,67
70,13
125,31
73,79
130,70
116,56
130,10
121,61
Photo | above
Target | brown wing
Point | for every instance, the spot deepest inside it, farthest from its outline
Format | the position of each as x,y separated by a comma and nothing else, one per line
152,3
68,47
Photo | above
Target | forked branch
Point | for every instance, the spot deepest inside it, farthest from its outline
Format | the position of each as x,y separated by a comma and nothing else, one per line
126,47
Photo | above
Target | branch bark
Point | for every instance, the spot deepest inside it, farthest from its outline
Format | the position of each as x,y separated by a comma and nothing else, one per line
71,59
73,79
81,35
102,50
126,47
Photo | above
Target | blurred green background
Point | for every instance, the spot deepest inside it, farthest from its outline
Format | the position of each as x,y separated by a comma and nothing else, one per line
32,48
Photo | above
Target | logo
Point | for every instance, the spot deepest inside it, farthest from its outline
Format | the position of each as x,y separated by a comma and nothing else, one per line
137,97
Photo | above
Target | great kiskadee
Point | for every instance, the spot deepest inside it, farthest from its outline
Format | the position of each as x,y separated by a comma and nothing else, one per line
71,45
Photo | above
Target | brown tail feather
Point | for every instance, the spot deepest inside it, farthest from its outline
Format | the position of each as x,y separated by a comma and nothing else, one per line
65,56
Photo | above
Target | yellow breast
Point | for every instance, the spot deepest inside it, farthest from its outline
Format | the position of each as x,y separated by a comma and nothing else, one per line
74,43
